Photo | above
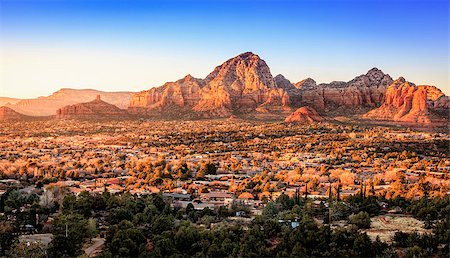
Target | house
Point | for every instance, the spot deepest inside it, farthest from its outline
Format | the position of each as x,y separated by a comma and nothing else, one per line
216,196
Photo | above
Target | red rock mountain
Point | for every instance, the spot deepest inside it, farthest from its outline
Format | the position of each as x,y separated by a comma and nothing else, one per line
304,115
241,85
8,114
96,109
46,106
406,102
357,96
244,86
172,97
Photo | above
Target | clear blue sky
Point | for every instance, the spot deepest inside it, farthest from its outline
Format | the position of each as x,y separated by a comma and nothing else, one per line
136,45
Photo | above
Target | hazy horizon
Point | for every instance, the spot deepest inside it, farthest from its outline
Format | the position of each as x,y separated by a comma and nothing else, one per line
115,46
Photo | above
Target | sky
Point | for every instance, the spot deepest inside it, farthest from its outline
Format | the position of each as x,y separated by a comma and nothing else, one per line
118,45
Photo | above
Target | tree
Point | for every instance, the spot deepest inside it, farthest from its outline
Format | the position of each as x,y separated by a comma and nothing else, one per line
29,250
7,236
69,232
182,171
416,252
127,240
361,220
207,168
47,200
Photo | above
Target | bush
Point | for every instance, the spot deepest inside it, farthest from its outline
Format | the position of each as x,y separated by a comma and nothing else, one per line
361,220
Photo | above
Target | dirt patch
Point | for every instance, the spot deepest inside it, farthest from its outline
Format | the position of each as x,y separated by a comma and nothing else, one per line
385,226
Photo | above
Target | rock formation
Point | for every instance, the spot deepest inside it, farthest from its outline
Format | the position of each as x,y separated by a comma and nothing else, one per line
172,97
406,102
304,115
7,113
96,109
357,96
241,85
46,106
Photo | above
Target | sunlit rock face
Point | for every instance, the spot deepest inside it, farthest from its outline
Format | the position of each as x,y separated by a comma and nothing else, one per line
304,115
406,102
7,113
96,109
48,105
338,98
241,84
172,96
244,85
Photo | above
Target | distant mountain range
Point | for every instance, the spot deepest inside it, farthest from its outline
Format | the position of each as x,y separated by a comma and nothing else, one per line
47,106
243,86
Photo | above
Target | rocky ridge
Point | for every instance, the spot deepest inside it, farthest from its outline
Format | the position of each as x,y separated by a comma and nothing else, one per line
406,102
48,105
97,109
7,113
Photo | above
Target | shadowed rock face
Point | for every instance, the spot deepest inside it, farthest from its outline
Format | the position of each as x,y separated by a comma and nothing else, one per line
406,102
7,113
96,109
304,115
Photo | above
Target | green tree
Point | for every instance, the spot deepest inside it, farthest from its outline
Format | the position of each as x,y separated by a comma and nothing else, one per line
69,232
361,220
127,240
7,236
28,250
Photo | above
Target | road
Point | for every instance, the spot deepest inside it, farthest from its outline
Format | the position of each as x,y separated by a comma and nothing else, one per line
97,243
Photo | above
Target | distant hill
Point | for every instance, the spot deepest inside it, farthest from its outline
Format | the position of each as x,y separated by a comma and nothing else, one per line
47,106
304,115
8,114
96,109
5,100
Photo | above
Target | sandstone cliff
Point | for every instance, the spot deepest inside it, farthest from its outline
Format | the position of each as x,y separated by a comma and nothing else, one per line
179,96
96,109
406,102
242,84
353,97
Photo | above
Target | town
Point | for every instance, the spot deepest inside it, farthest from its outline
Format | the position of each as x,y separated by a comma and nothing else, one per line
214,173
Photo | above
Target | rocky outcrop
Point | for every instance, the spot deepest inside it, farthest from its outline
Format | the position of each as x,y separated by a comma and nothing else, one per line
8,114
46,106
304,115
359,95
174,97
242,84
305,84
96,109
406,102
